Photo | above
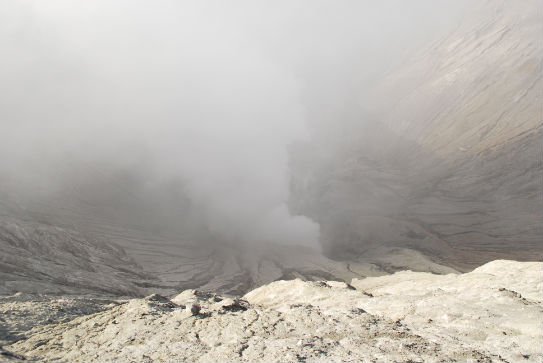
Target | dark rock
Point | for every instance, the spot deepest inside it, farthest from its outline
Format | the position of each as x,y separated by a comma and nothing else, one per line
195,309
237,305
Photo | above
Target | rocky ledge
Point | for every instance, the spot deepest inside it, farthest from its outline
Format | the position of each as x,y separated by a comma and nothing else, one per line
493,313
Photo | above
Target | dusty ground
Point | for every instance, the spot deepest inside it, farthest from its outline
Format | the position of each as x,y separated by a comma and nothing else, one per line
491,314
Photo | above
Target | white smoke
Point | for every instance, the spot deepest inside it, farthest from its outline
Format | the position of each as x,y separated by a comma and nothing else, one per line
207,93
113,83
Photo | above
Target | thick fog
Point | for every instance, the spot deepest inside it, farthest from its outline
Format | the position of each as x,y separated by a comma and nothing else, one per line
203,95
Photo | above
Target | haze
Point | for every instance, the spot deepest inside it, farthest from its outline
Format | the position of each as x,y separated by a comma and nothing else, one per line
196,103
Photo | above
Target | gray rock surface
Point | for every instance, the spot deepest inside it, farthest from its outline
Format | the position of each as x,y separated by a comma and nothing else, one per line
491,314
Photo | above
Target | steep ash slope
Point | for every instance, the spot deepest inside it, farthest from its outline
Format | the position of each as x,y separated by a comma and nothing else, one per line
445,152
41,258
